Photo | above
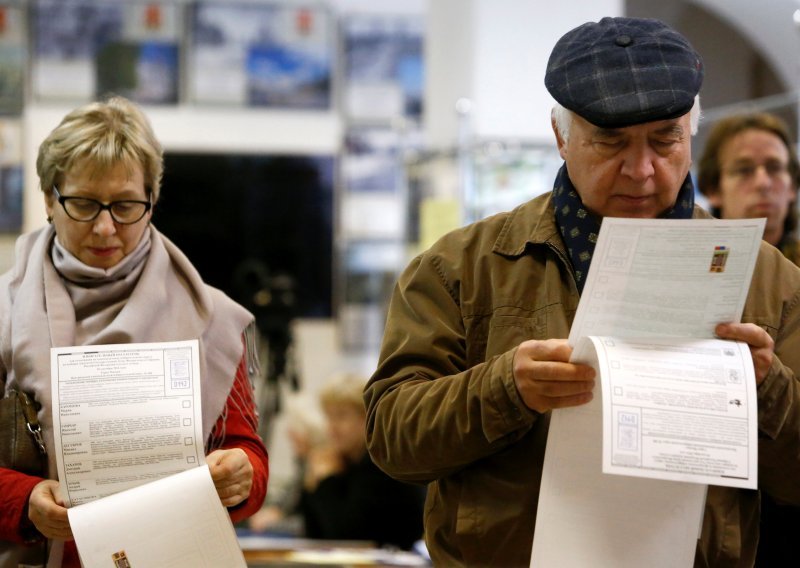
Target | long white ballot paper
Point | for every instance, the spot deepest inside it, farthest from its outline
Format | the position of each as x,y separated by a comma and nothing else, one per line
175,522
652,280
677,409
587,519
124,415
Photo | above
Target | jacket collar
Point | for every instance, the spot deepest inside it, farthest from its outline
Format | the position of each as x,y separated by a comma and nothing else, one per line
534,223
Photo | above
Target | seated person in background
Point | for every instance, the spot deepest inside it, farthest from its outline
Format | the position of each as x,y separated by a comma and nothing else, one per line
281,513
346,496
749,169
100,273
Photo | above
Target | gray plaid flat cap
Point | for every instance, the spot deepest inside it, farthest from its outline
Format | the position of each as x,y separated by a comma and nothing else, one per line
624,71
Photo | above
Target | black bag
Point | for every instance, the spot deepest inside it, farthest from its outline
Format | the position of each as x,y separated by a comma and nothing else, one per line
21,443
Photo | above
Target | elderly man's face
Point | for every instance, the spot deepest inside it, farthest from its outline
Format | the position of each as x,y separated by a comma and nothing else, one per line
635,171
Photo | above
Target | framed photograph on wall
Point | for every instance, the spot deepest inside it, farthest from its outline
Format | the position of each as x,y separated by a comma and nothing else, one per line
88,49
270,55
384,66
10,175
13,59
372,159
373,181
369,271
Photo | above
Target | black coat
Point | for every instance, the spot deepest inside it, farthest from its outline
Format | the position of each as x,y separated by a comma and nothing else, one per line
363,503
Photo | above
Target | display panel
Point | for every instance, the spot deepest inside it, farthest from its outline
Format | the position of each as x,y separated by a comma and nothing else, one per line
259,227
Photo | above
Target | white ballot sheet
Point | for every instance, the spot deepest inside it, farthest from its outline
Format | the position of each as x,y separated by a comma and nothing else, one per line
587,519
124,415
677,409
667,278
175,522
672,403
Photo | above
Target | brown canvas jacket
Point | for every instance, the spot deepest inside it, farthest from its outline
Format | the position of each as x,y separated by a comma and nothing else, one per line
443,409
790,247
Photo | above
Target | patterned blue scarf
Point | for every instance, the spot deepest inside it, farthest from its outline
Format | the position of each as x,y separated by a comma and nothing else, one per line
579,228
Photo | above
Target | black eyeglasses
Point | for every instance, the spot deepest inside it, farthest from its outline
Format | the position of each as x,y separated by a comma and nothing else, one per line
83,209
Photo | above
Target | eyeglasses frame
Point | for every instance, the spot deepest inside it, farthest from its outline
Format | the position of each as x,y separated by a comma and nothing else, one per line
62,199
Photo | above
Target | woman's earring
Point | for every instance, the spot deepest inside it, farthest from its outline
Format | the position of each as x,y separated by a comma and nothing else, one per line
49,219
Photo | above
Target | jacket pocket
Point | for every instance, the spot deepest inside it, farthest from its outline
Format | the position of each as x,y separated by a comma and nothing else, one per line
509,326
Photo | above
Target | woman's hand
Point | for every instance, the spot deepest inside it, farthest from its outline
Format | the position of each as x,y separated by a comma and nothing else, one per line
47,512
322,462
265,519
232,474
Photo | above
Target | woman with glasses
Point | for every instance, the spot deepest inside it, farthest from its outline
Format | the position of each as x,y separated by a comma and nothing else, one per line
100,273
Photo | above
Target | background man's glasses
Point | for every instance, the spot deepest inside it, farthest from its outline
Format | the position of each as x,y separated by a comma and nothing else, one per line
748,171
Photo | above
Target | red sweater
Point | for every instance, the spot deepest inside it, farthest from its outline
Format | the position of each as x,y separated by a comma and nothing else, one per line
235,427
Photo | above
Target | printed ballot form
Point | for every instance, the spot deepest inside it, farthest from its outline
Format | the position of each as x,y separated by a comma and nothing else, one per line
131,465
124,415
677,409
175,522
625,476
667,278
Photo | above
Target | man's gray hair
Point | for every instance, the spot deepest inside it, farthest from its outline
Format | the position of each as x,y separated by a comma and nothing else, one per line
562,117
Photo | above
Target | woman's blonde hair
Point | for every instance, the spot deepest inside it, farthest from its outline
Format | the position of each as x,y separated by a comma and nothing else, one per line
303,416
344,388
99,136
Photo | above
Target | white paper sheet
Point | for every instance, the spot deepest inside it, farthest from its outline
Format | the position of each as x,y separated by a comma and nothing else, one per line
667,278
677,409
588,519
175,522
656,282
124,415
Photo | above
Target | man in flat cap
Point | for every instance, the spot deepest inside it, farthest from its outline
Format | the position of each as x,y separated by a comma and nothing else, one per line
474,355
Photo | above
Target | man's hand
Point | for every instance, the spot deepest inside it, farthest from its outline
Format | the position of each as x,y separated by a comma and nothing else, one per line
546,379
47,512
232,474
762,347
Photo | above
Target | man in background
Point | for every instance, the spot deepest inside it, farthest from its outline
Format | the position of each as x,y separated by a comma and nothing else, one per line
749,168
